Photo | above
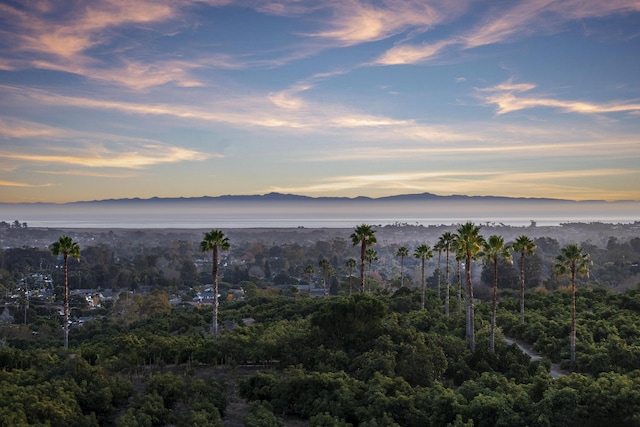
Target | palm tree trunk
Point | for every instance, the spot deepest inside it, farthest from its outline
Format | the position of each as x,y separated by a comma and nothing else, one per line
446,298
492,340
522,288
214,272
66,303
459,287
573,318
423,285
362,256
470,311
439,273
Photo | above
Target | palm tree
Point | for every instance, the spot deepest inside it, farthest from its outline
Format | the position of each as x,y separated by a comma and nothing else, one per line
371,255
214,241
572,262
402,252
438,247
331,272
524,246
351,265
446,241
308,270
459,255
471,243
66,247
324,266
493,250
423,253
364,235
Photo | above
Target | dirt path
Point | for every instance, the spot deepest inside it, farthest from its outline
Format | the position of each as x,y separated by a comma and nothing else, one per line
527,349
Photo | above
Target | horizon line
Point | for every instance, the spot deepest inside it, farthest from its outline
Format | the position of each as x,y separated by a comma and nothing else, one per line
345,198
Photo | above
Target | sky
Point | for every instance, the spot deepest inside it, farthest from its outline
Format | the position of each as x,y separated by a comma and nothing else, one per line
175,98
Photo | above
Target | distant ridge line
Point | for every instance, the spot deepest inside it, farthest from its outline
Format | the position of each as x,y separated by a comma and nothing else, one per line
286,197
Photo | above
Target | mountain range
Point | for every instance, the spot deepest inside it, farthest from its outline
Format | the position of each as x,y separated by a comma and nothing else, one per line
287,210
283,197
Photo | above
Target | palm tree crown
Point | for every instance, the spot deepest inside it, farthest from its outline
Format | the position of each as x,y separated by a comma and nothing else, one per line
363,235
66,247
214,241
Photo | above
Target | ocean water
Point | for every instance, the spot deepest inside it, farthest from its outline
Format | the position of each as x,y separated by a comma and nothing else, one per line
293,215
258,221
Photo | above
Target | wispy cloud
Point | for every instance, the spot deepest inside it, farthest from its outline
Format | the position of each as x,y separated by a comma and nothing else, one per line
576,184
91,149
573,184
16,128
132,74
288,99
507,99
407,181
356,22
499,142
103,156
69,42
418,139
279,110
89,173
22,184
523,19
77,29
412,54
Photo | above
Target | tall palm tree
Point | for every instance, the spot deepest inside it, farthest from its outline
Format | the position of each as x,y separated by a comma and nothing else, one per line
493,250
524,246
572,262
459,255
402,252
215,241
351,265
370,255
66,247
363,235
446,241
324,266
470,243
438,247
423,253
308,270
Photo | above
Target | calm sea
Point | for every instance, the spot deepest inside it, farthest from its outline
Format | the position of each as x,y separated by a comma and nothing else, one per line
254,215
189,221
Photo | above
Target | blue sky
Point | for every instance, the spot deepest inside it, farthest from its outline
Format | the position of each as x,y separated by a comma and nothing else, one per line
115,99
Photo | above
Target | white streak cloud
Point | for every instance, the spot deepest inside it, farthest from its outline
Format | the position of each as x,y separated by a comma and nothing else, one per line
506,97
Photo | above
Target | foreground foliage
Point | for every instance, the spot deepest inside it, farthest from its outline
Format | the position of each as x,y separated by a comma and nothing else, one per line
361,360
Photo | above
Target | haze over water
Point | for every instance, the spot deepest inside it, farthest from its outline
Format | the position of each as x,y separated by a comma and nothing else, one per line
343,214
